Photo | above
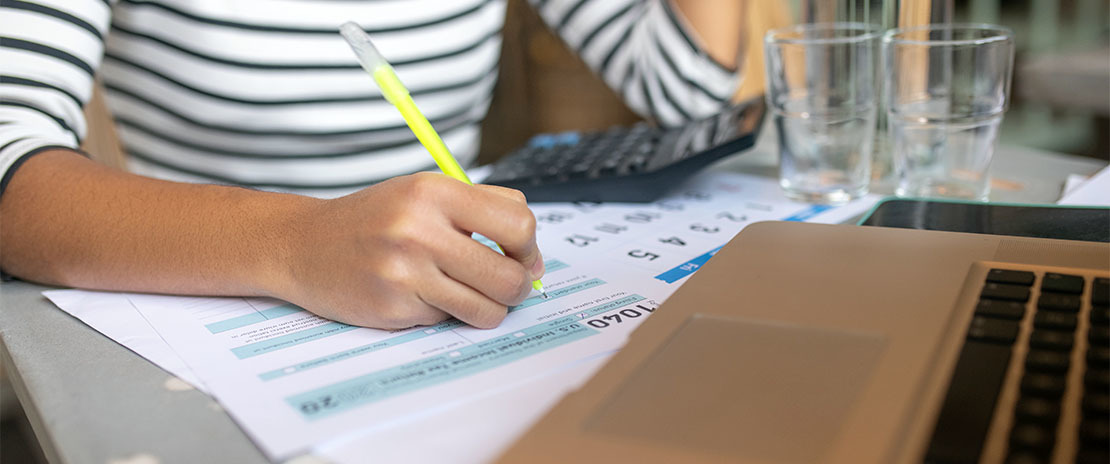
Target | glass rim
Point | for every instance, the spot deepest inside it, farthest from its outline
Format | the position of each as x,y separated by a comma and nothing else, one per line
869,32
1002,34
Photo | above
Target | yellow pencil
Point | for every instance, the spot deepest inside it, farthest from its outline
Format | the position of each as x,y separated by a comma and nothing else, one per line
398,95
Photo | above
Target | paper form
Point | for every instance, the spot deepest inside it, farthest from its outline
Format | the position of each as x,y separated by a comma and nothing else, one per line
113,315
294,380
476,431
1090,192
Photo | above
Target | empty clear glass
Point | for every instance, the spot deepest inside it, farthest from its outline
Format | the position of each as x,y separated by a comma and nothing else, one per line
947,87
822,96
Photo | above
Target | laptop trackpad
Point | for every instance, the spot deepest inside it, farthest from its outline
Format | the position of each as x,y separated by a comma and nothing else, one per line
743,389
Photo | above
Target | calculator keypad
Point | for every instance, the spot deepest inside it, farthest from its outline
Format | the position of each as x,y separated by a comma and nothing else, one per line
573,156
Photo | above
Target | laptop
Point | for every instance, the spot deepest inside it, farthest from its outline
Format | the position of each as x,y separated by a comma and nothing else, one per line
804,343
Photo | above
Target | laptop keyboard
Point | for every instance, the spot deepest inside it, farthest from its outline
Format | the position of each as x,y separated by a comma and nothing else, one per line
1061,410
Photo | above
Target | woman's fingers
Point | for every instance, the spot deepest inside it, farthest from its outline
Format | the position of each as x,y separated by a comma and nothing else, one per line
475,265
502,215
463,302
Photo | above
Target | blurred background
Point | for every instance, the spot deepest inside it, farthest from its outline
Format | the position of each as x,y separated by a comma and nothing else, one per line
1061,82
1061,93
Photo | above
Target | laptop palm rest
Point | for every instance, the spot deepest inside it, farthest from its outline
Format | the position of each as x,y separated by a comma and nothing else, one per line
787,390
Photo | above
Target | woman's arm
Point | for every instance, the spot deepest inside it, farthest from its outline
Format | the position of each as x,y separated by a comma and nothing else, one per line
394,255
673,62
720,24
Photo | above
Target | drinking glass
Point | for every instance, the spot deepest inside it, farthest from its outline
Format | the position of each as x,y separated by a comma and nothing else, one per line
822,97
947,86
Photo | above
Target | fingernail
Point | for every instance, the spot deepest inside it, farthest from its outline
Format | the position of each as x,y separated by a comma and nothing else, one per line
537,269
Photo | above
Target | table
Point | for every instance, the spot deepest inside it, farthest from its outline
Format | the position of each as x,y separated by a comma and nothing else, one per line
91,400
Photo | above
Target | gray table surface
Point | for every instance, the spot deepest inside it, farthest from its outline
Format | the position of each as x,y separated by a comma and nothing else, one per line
91,400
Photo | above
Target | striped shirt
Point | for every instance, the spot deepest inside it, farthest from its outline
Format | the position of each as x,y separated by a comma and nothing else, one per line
266,94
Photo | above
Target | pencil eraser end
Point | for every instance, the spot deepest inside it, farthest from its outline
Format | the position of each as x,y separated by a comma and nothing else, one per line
365,50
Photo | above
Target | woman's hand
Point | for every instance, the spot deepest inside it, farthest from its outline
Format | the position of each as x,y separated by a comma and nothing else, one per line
400,254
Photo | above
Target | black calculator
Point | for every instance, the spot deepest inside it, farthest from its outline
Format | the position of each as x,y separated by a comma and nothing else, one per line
625,164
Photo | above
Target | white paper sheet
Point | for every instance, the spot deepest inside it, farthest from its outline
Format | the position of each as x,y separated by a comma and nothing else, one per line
1093,192
113,315
1071,182
476,431
295,381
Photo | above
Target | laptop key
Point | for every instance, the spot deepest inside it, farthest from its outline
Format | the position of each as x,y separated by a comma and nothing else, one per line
1018,456
1043,385
969,404
1051,340
1098,356
1040,410
992,330
1054,320
1006,276
1058,302
1100,291
1099,335
1033,437
1047,361
1100,315
1097,379
1092,456
1096,404
1062,283
1000,309
1005,292
1094,433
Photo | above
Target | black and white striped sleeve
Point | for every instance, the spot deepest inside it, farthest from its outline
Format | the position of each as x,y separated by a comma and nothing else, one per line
647,52
49,50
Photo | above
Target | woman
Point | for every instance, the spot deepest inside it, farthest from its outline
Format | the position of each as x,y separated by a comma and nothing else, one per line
267,95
